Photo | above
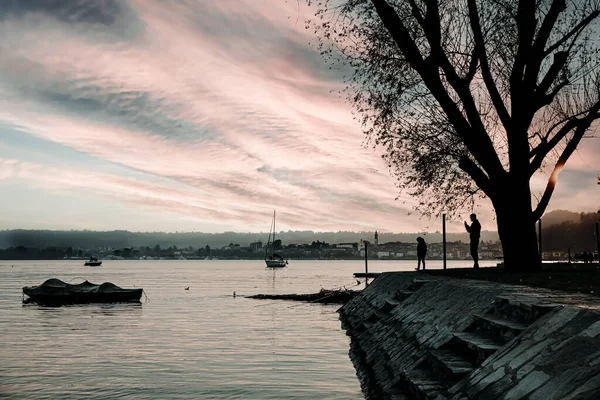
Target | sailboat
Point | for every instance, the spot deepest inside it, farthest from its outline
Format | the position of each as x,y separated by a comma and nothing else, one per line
273,260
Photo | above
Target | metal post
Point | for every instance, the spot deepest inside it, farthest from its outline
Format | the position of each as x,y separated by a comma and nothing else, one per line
444,238
598,240
366,265
569,255
540,237
366,258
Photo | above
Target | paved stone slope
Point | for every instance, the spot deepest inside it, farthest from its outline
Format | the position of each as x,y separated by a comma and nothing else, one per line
422,337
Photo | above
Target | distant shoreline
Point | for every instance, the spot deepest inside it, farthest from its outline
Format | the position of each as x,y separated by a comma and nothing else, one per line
467,260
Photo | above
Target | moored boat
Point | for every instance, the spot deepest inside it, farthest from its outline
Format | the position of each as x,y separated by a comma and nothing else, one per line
56,292
93,262
273,260
276,263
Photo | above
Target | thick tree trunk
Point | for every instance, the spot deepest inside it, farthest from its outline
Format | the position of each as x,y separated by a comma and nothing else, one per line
516,228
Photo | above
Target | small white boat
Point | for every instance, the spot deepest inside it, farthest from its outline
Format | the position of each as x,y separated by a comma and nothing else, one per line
273,260
93,262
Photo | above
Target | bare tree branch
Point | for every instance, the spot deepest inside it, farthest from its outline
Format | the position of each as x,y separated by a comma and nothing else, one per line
480,178
538,55
473,67
476,140
560,59
526,24
562,160
574,123
575,31
485,66
557,7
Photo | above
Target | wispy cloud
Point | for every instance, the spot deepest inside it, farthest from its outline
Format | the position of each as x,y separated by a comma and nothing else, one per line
217,112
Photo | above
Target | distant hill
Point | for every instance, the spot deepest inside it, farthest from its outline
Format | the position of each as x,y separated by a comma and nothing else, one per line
578,235
121,239
562,229
559,216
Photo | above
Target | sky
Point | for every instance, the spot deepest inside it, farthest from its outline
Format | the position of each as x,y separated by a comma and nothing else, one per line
203,116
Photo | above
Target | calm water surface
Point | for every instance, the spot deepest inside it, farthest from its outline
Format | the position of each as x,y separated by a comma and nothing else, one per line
196,344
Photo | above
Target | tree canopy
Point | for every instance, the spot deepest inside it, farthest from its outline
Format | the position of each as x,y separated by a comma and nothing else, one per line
468,97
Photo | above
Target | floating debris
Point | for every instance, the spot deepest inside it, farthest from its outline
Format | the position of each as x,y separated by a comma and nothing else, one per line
324,296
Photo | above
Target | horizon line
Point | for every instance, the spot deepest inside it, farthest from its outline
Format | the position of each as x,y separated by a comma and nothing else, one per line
237,232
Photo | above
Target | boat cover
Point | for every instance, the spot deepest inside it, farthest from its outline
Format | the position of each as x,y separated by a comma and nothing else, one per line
56,287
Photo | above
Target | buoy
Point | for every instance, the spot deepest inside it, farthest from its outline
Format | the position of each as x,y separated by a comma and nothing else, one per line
233,294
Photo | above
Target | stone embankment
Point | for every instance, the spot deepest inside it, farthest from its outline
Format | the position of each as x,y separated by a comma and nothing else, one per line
415,336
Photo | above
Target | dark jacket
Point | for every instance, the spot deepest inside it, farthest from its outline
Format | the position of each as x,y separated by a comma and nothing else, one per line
474,230
421,249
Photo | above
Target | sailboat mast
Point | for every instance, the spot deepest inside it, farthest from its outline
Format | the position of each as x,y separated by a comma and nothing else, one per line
268,240
273,246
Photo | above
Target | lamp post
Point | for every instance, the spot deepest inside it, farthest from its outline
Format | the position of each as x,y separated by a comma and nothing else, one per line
444,239
366,258
598,231
597,242
540,237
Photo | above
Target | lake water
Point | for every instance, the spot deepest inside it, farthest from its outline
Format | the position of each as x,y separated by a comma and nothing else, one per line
200,343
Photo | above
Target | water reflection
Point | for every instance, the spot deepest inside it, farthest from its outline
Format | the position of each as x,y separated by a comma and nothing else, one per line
184,344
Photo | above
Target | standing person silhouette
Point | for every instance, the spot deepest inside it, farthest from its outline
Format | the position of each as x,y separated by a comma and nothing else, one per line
474,234
421,252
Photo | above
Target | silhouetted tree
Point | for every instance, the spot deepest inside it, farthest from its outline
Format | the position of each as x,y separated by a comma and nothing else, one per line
277,244
471,97
69,252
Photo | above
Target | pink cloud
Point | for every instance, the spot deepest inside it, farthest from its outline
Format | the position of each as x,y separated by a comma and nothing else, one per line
263,130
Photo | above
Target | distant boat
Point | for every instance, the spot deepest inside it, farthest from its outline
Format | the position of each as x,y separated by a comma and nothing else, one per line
57,292
273,260
93,262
